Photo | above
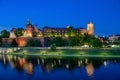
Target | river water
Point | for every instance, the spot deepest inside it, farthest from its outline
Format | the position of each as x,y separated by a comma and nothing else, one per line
14,67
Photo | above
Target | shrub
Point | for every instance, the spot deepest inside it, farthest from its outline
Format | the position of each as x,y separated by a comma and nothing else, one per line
53,47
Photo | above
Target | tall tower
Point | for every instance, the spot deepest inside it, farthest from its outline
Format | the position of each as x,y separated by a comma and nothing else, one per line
29,29
90,28
28,21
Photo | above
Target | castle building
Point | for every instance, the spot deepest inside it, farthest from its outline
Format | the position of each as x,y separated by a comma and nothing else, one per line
60,32
29,29
34,31
12,33
90,28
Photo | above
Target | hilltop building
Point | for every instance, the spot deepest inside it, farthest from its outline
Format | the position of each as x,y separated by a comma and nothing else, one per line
90,28
113,38
34,32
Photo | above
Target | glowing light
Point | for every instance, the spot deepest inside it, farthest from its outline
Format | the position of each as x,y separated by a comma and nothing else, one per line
66,35
105,63
90,69
67,66
79,63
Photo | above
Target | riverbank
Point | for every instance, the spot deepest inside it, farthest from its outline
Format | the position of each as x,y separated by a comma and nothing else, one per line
80,52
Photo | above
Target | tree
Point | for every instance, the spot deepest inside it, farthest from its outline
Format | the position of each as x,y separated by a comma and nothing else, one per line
118,41
37,43
71,32
88,39
92,41
33,43
59,41
73,41
0,41
49,42
96,43
5,34
14,43
53,47
30,43
34,34
19,32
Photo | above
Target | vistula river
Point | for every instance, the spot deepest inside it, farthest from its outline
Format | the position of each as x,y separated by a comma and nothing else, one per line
14,67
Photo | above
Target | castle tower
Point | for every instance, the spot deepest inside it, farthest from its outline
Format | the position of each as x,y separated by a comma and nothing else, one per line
29,29
90,28
28,21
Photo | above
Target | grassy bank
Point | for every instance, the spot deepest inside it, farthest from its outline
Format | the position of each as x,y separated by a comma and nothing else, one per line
69,52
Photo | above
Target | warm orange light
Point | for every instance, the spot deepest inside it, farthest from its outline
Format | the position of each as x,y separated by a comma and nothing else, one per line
90,69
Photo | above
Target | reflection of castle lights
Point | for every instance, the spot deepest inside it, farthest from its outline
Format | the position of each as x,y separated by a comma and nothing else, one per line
86,61
15,49
15,58
12,64
52,65
0,56
4,60
38,61
105,63
9,57
79,63
54,62
67,66
29,68
90,69
42,60
59,61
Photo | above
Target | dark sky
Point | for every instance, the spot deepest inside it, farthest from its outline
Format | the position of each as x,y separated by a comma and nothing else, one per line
105,14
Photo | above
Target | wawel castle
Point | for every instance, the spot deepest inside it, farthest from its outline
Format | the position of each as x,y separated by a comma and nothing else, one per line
46,32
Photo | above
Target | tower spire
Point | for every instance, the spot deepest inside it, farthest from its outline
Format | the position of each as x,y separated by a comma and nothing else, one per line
28,21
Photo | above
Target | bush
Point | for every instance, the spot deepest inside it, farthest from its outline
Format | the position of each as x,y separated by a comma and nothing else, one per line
53,47
14,43
33,43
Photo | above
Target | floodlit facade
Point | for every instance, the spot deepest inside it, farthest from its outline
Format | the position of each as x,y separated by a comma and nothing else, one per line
90,28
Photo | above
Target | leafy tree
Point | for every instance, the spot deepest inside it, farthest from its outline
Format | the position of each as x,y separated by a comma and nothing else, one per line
88,39
71,32
49,42
118,41
73,41
37,43
53,47
96,43
19,32
59,41
34,34
33,43
30,43
14,43
0,41
92,41
5,34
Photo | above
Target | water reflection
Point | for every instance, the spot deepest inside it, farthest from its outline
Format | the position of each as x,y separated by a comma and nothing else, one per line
90,69
28,63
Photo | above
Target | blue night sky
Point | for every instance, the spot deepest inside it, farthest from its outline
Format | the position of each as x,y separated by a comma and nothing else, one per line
105,14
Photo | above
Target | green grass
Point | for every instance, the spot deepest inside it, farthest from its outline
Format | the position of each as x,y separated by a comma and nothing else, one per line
95,52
